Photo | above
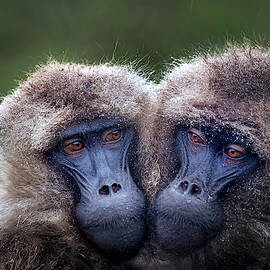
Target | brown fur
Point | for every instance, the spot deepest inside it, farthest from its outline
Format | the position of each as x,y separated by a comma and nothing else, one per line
38,230
228,89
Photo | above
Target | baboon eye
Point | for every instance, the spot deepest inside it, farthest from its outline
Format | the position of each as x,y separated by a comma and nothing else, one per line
235,151
73,145
111,136
196,136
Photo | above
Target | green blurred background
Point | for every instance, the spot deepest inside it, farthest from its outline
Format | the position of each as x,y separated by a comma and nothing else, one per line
149,33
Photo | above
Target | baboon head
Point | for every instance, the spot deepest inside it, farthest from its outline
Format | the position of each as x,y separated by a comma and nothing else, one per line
213,139
78,131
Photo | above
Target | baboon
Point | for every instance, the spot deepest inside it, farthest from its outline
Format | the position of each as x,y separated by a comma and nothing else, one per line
212,210
71,194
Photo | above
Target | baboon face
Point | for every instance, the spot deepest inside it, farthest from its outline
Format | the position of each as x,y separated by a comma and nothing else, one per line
96,157
188,211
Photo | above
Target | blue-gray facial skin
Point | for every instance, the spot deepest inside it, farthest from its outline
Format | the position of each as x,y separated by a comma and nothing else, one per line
110,209
188,211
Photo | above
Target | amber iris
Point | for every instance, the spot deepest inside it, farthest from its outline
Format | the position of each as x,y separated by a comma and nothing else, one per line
73,146
112,136
195,137
233,153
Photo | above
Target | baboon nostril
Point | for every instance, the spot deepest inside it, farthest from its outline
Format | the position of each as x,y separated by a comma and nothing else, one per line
116,187
195,189
184,185
104,190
